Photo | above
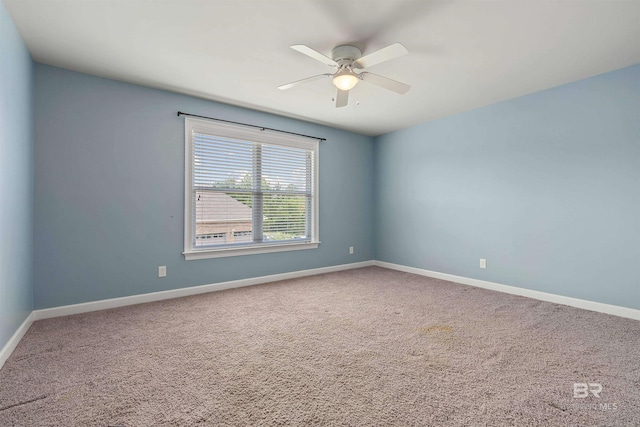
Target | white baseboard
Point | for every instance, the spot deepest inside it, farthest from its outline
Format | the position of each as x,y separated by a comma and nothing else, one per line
543,296
183,292
15,339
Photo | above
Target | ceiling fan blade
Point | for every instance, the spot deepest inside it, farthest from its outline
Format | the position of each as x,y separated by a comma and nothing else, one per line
386,53
307,80
314,54
385,82
342,98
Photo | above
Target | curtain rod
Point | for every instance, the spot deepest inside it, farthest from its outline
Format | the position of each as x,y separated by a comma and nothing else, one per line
180,113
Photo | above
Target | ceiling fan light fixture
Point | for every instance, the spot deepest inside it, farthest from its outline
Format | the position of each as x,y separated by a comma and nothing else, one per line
345,79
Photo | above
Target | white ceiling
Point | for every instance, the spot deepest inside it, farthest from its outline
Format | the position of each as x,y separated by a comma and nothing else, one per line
462,54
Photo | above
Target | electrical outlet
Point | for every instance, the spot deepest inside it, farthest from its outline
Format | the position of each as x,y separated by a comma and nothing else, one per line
351,250
483,263
162,271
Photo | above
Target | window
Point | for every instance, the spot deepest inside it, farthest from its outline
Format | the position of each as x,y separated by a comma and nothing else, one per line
248,190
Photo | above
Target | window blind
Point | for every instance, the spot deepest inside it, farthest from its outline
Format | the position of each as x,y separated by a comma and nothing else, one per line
250,187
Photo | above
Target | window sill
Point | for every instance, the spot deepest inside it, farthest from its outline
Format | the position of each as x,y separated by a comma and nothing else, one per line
227,252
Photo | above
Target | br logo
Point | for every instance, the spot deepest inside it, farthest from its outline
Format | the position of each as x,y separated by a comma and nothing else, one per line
582,390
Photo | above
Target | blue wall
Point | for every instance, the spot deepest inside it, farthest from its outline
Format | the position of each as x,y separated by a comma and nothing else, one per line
546,187
109,185
16,179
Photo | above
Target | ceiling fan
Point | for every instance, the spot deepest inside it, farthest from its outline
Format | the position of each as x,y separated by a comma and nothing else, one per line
347,59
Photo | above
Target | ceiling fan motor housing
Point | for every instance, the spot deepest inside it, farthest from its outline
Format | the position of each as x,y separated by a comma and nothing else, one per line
345,55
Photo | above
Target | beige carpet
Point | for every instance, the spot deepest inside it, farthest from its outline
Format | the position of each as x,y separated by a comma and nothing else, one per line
369,347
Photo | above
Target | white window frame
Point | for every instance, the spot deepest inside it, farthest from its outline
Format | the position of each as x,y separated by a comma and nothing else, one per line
250,134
